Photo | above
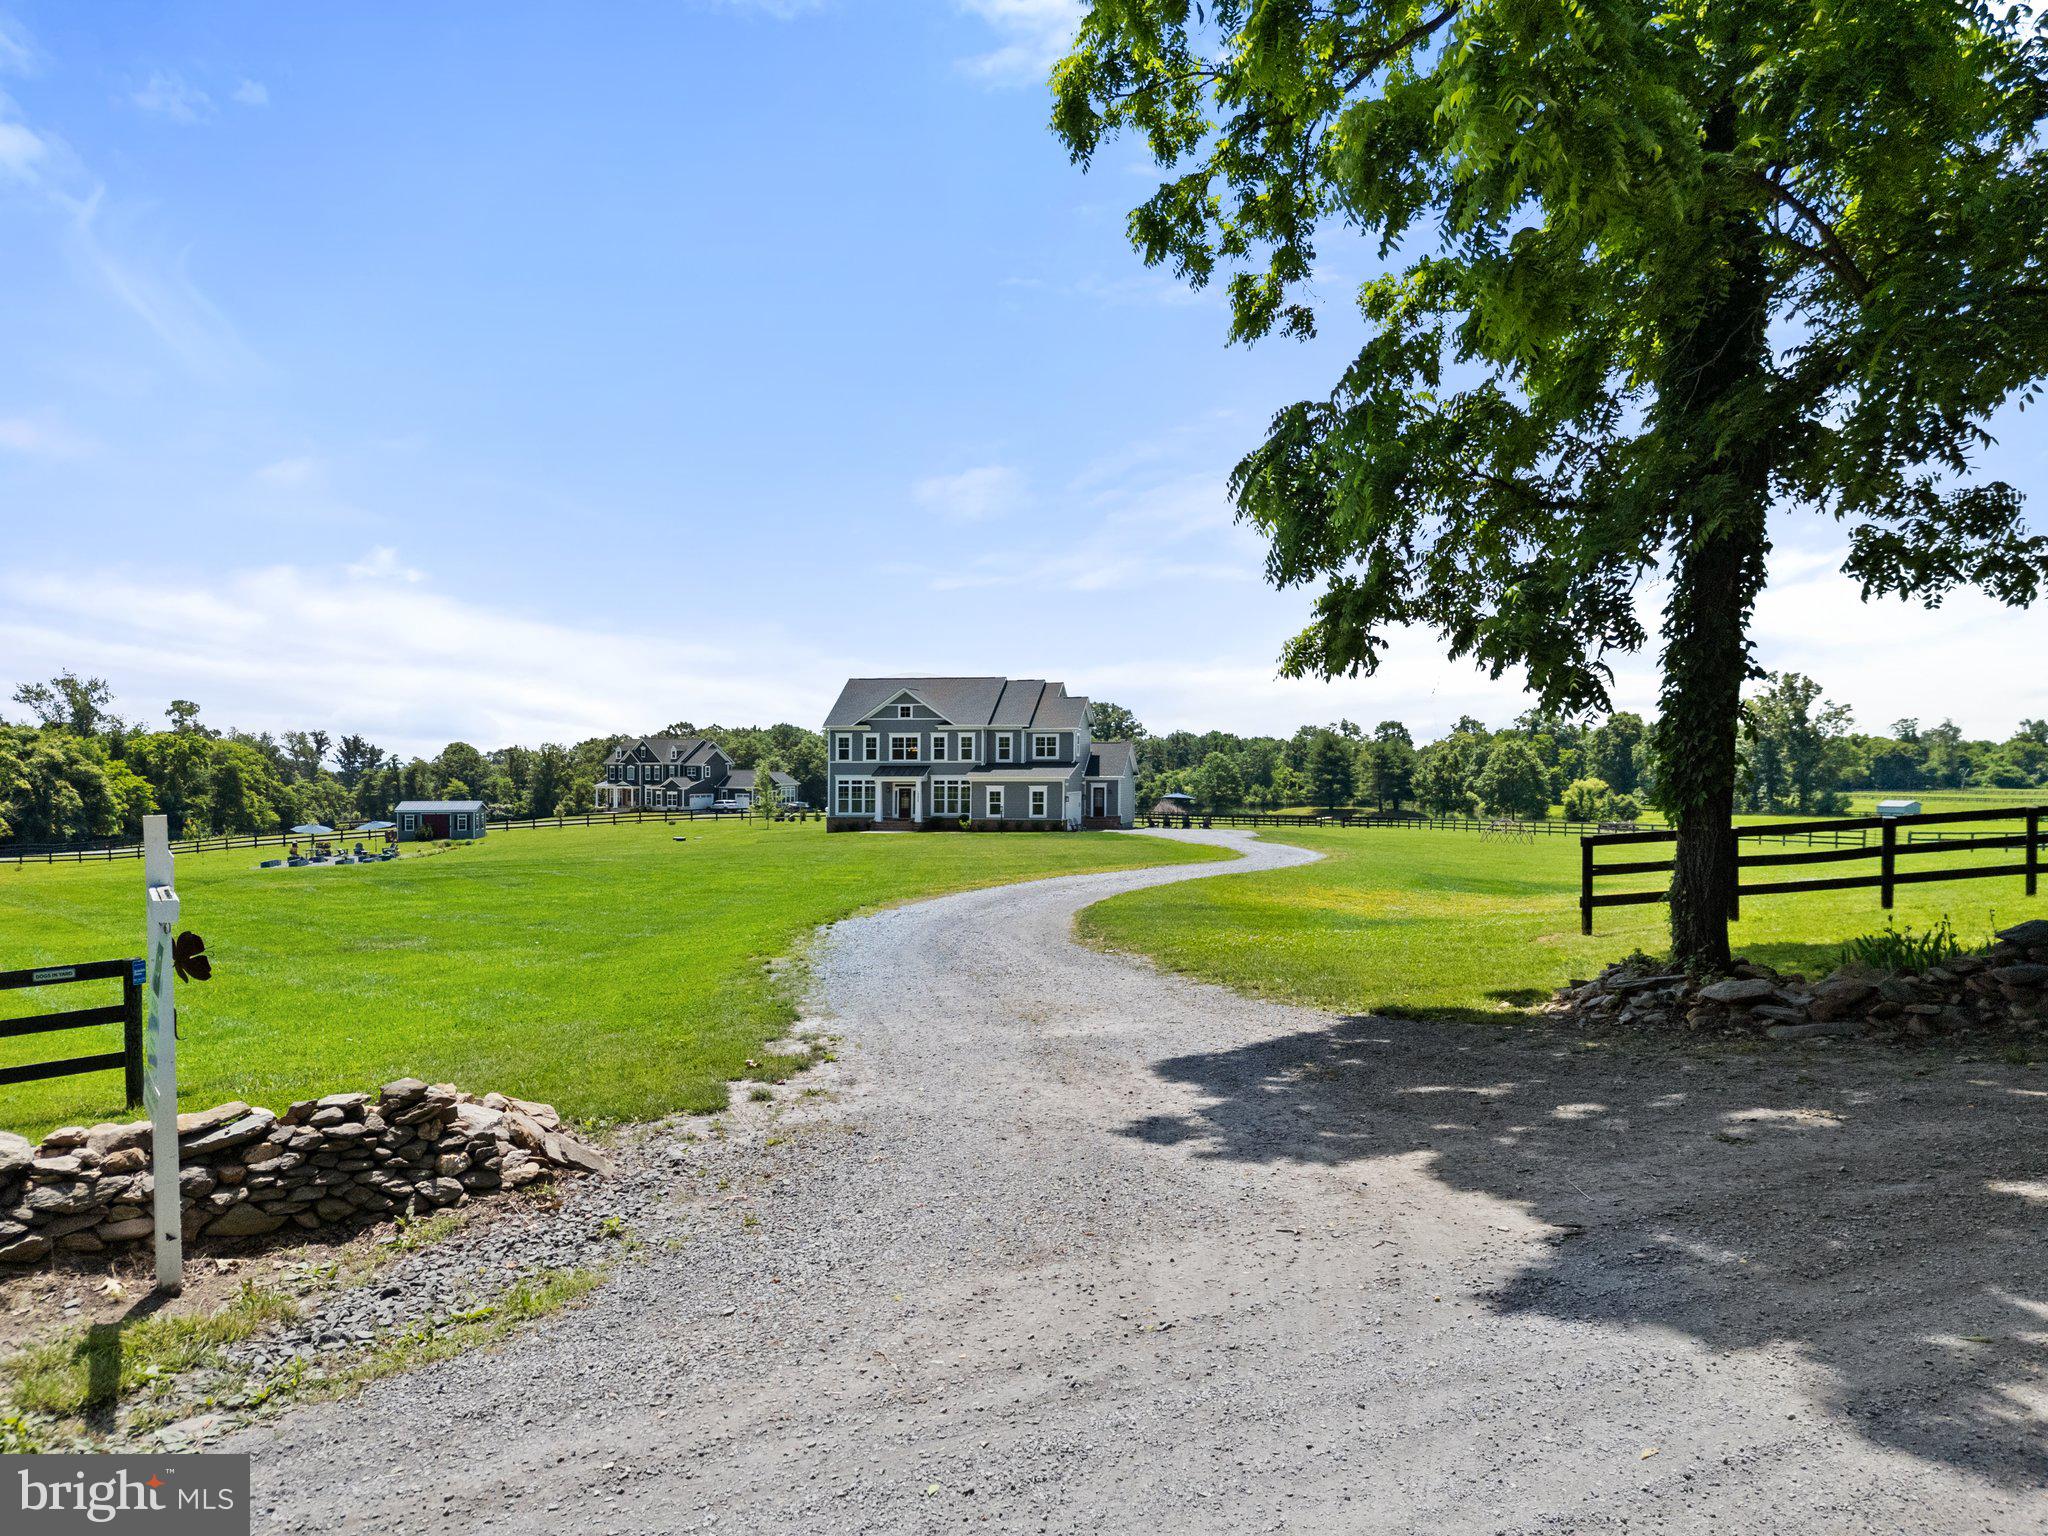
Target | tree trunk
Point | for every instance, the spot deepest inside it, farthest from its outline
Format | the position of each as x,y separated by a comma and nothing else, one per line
1711,401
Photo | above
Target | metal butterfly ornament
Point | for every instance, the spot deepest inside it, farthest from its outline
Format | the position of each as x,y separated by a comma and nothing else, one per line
188,957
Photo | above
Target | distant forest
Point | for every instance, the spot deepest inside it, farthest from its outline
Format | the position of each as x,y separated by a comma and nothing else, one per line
74,771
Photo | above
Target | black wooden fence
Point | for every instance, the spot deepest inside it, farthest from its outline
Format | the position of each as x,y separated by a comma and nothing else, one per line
127,1013
94,853
1886,846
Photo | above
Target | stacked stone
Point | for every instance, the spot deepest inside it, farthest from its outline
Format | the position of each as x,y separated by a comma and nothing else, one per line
244,1172
2004,989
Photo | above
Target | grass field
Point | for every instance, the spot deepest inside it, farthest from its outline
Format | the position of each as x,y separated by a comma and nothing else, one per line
1437,923
608,970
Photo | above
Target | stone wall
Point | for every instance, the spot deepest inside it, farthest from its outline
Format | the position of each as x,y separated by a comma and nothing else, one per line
2003,990
244,1172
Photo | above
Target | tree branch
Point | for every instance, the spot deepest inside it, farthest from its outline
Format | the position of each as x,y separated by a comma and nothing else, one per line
1831,251
1386,52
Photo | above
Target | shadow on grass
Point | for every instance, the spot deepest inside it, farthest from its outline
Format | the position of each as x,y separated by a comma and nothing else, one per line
1883,1224
100,1348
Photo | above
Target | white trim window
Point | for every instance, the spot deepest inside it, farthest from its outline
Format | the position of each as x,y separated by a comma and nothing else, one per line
870,747
938,746
1043,747
842,747
905,711
903,747
1004,745
949,797
854,797
966,747
411,820
995,802
1038,801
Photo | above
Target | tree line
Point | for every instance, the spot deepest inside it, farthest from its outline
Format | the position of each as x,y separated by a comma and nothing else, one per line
1798,754
74,771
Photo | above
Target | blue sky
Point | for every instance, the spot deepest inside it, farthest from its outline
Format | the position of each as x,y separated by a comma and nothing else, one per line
526,372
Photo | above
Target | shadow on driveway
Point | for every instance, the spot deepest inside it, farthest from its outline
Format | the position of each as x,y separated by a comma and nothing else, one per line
1883,1216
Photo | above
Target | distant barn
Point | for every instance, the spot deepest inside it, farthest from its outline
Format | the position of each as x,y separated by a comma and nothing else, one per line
1898,807
432,821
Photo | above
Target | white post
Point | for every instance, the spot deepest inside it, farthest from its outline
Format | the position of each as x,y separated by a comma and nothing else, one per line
160,1052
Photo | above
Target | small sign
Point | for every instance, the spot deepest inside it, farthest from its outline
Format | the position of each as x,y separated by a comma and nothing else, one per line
56,973
140,973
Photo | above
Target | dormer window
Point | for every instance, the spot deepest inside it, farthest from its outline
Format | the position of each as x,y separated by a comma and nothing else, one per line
1004,746
1045,746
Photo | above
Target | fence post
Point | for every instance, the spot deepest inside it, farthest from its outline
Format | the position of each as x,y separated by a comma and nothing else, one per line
1585,885
131,1032
2033,851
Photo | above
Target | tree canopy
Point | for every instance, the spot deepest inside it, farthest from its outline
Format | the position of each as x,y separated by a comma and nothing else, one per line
1650,275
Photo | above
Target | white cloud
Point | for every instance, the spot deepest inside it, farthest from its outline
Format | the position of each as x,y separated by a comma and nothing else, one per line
155,286
252,93
291,646
169,94
1031,37
22,151
300,470
383,564
40,437
972,495
17,55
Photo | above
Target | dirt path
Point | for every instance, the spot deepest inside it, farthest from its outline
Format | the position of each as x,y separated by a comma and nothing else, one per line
1080,1247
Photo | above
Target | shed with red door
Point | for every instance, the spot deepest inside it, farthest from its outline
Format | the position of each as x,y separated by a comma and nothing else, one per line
435,821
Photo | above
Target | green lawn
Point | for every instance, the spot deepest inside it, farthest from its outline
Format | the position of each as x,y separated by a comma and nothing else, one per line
1447,923
609,970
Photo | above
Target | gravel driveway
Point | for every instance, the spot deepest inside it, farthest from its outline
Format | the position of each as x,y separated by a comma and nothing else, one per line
1075,1246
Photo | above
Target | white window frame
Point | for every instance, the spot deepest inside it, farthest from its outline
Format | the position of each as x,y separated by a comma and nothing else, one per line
871,748
1038,739
966,746
854,797
994,802
952,797
896,751
842,747
1038,802
1005,744
938,746
906,711
411,820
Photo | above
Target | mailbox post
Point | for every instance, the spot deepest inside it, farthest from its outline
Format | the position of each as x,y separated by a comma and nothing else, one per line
160,1051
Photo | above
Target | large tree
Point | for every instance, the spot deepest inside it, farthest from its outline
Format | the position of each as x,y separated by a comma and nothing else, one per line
1652,273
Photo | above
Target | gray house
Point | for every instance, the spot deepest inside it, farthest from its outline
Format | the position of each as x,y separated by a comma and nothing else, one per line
990,752
676,773
430,821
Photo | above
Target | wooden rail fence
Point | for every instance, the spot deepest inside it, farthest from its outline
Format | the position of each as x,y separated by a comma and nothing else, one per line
97,853
127,1013
1887,849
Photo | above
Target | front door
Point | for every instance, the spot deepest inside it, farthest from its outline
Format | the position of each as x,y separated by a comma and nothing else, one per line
1098,794
905,798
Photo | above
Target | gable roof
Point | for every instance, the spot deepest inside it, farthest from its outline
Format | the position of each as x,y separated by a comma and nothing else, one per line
743,778
687,749
435,807
1016,703
1111,759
